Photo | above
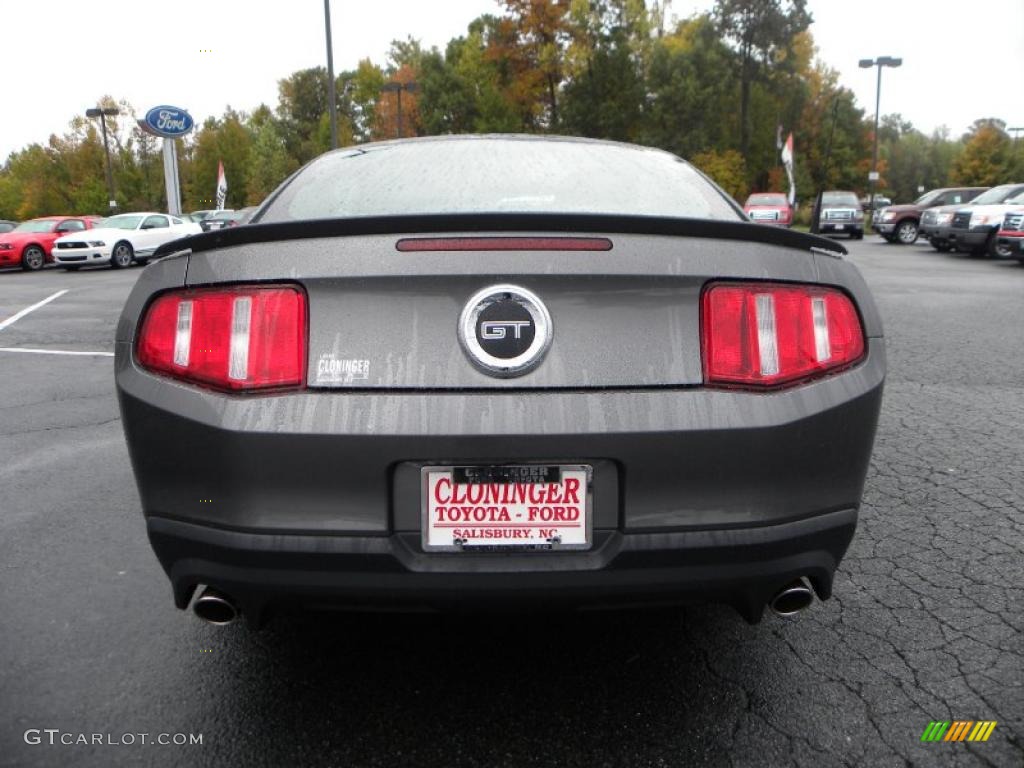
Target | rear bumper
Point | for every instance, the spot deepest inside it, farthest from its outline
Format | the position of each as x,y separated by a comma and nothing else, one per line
742,567
315,497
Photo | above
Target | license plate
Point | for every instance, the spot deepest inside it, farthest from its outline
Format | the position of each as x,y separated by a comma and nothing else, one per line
524,506
840,226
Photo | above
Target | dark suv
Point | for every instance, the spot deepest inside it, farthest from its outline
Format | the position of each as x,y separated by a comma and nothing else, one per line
901,223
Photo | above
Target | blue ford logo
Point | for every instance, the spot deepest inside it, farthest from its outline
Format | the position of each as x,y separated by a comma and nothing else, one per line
171,122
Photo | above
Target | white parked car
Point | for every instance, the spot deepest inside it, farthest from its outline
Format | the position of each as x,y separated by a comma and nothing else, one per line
121,240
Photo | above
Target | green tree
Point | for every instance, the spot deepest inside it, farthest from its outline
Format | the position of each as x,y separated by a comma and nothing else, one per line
830,113
689,91
363,88
987,157
461,91
727,169
605,96
226,140
269,163
303,116
912,159
762,33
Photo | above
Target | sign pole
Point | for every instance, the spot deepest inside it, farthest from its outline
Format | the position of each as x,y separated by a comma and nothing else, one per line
170,123
171,178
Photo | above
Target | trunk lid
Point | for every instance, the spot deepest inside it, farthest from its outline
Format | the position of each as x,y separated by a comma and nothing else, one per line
380,318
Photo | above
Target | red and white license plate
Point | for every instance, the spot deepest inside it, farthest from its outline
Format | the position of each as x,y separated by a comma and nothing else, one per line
526,506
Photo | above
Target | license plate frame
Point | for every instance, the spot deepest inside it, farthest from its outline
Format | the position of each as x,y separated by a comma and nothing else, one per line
570,534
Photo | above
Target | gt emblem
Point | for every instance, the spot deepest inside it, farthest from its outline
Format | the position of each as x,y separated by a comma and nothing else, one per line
497,329
505,330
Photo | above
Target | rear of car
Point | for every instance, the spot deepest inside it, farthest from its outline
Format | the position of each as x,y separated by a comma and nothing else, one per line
222,219
841,214
549,373
769,208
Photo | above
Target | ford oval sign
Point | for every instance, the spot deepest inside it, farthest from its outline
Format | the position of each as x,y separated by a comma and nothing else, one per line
169,122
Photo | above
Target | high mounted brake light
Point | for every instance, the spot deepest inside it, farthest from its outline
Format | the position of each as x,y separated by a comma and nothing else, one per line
504,244
236,338
763,335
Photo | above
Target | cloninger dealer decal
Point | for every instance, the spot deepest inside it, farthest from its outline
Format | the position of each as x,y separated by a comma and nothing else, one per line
330,369
533,507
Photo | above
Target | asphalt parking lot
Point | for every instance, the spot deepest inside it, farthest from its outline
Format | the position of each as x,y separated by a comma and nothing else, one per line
926,623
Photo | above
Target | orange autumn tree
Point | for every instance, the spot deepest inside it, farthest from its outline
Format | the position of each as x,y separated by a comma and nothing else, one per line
530,45
385,125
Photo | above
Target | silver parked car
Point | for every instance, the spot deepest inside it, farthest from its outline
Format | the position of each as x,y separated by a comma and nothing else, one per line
483,371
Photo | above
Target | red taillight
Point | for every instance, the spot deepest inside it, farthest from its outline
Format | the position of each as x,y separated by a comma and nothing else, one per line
772,334
238,338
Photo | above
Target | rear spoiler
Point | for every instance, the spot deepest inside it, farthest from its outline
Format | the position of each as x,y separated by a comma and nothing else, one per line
501,222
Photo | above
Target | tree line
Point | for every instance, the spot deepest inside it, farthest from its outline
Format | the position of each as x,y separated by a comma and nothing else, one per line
715,88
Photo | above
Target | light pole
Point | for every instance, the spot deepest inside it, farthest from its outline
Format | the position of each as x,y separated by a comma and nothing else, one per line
102,114
332,108
395,87
881,61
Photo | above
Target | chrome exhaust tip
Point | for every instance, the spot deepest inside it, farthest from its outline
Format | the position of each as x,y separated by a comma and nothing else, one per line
215,607
792,599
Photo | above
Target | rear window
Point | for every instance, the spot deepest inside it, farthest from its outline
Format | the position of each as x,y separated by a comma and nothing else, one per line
498,175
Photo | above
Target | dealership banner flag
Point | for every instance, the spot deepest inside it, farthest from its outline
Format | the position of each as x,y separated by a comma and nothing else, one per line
222,186
787,162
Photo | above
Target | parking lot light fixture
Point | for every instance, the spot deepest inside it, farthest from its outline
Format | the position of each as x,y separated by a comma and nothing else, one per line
103,113
396,87
881,61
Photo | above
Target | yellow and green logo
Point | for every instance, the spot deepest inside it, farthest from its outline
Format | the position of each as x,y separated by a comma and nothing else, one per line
958,730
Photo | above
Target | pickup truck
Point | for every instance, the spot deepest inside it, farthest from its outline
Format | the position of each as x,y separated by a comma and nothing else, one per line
901,223
1011,235
841,214
975,228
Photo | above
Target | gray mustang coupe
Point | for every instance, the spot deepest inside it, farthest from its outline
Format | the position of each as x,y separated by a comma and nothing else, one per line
499,372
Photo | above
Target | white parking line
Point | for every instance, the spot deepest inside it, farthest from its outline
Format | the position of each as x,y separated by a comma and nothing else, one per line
18,315
54,352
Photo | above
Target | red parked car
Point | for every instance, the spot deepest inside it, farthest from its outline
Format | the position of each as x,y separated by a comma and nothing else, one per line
30,244
769,208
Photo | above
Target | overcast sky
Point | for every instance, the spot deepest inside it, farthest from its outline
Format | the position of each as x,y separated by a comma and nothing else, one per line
961,62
